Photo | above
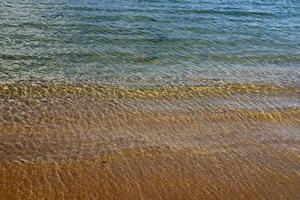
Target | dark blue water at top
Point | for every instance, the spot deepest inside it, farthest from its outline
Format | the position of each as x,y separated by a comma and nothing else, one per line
135,42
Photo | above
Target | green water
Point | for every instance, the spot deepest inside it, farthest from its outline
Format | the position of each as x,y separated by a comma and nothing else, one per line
146,43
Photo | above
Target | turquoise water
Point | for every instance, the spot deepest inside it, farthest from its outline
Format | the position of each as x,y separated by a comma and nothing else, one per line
132,42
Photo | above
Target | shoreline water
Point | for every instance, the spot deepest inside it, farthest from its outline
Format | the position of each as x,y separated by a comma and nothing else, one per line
91,142
166,99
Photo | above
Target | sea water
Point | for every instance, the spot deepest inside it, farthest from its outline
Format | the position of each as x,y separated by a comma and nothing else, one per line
149,99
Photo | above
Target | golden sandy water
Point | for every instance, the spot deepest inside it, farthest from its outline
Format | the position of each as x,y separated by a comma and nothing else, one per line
228,141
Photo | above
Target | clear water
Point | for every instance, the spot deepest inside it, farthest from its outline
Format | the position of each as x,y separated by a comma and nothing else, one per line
131,99
132,42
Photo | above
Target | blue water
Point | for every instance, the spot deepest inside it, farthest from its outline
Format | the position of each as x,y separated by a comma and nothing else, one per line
134,42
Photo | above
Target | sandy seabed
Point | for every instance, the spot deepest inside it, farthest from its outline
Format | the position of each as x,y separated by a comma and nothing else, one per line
91,142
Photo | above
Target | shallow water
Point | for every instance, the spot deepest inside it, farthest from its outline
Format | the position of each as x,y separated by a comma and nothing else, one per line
149,99
150,42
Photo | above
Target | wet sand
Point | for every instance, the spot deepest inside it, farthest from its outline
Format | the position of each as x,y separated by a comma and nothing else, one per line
92,142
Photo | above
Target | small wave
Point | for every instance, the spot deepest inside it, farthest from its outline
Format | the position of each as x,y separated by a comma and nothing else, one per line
154,93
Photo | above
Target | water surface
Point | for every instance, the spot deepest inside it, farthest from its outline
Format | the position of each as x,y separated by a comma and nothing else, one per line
149,99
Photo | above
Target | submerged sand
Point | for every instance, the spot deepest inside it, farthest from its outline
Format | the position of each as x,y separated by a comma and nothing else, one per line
230,141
